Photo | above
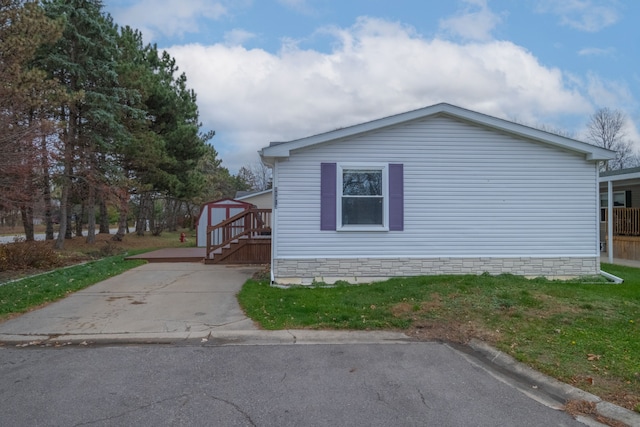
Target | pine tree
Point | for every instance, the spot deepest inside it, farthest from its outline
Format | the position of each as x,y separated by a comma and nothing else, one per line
25,99
83,61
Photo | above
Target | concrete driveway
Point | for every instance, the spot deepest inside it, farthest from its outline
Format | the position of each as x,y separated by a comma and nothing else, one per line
156,300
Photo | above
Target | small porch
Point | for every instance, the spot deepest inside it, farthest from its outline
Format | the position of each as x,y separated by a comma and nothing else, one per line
620,202
626,232
244,238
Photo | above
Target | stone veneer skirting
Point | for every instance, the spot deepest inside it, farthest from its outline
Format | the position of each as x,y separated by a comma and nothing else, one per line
362,270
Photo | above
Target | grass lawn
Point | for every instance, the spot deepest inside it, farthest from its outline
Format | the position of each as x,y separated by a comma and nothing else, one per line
585,334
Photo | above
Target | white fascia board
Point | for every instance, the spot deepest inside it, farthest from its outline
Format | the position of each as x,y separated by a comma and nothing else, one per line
621,177
592,152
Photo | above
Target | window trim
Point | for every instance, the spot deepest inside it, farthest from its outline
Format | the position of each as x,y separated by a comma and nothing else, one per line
384,168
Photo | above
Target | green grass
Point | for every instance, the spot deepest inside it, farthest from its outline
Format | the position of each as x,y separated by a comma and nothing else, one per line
579,332
30,292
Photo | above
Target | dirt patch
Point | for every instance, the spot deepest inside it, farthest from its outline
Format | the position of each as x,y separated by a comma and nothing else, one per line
403,310
425,328
407,309
456,332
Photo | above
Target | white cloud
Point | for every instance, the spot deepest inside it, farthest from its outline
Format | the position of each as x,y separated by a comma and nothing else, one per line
475,22
596,51
238,36
583,15
607,93
377,68
168,17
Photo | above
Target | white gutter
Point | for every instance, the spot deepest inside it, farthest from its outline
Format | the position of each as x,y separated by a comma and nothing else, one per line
614,279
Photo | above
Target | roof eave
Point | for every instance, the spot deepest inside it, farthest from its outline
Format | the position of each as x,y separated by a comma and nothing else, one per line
591,152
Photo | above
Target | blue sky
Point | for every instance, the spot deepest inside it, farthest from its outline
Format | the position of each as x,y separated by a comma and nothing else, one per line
267,70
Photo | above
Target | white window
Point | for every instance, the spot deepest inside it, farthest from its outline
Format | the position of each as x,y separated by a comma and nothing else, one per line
619,201
362,197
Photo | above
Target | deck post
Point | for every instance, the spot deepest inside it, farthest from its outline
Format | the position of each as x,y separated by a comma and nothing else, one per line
610,220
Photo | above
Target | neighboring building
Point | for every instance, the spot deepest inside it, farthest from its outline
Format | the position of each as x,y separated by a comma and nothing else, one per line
440,190
261,199
625,228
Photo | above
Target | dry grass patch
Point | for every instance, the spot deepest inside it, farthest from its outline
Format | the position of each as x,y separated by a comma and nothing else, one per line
582,407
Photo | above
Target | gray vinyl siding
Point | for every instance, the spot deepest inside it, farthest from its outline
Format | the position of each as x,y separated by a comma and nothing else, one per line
469,192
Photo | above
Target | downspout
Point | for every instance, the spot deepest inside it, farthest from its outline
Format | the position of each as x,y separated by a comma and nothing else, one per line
274,218
610,220
615,279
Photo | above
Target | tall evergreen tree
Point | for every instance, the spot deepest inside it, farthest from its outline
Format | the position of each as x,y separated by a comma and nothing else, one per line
25,98
83,60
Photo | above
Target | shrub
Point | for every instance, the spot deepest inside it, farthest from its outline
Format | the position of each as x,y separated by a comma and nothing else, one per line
21,255
109,249
3,258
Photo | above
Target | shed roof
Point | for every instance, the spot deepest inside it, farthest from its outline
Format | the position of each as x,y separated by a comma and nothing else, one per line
283,149
241,195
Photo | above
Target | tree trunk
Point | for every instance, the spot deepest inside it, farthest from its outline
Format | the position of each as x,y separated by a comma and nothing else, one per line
91,215
122,216
141,220
27,222
64,225
46,189
80,220
48,207
69,233
104,216
172,216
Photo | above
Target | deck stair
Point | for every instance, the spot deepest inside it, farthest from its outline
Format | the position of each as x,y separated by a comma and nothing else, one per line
242,239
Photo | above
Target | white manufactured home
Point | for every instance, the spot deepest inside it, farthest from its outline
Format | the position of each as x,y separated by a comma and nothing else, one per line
440,190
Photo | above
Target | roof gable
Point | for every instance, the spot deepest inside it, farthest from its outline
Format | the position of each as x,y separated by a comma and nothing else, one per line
591,152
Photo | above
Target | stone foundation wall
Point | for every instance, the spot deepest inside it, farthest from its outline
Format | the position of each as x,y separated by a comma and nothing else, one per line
330,270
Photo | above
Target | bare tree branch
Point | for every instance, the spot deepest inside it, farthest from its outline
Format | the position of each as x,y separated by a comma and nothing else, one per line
606,129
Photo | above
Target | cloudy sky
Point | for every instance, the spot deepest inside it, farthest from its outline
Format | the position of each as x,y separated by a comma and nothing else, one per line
275,70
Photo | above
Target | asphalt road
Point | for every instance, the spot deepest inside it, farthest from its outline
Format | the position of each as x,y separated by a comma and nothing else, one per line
9,239
415,384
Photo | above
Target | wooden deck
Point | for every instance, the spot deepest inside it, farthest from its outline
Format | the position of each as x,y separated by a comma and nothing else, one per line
173,255
245,238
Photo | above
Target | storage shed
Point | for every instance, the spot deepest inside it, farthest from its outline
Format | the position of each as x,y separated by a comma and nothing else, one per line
215,212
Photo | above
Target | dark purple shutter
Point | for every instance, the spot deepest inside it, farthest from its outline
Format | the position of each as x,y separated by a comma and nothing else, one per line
328,196
396,197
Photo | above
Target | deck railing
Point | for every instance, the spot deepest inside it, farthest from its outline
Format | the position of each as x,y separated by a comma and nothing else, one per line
251,223
626,221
